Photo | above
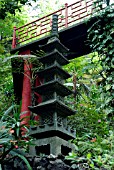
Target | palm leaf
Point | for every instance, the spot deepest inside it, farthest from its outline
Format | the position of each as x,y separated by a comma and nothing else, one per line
23,158
7,112
4,140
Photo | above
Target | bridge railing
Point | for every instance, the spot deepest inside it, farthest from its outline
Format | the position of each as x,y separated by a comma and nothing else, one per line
67,16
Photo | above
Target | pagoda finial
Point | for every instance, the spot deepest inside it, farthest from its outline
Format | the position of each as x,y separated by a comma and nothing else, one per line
54,31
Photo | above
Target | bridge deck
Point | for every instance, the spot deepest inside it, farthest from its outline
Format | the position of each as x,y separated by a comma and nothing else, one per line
74,38
71,26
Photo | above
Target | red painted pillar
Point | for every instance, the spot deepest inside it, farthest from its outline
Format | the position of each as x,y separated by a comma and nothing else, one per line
66,15
26,91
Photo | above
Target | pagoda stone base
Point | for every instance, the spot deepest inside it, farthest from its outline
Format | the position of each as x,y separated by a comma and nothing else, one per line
52,145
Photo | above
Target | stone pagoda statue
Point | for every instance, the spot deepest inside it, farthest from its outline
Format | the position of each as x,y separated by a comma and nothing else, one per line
52,132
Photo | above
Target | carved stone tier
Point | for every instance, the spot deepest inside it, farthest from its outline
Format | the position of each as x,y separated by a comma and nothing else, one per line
54,70
53,56
53,129
54,44
55,85
54,145
53,106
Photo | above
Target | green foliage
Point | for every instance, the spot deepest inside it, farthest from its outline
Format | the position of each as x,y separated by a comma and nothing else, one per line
94,152
90,117
94,120
42,8
101,36
6,86
13,136
11,7
6,80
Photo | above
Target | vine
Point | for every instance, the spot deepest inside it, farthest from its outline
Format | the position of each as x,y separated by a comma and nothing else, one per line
101,40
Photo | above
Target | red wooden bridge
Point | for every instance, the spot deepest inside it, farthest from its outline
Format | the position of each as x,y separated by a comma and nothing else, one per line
67,16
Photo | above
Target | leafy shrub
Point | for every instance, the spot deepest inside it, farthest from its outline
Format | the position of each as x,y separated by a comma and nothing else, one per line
14,136
97,152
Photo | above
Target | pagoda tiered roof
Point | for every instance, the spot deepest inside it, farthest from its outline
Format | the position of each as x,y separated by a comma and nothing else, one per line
52,70
55,86
55,55
54,44
53,105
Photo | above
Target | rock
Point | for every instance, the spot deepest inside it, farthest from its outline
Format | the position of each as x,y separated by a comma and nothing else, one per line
42,168
51,156
38,167
58,164
61,156
58,161
36,161
44,162
50,162
7,167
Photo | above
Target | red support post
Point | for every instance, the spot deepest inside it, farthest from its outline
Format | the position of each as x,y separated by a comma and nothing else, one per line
14,38
26,94
26,91
66,15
